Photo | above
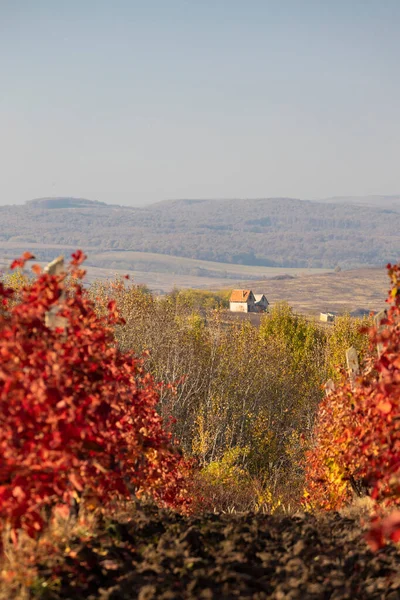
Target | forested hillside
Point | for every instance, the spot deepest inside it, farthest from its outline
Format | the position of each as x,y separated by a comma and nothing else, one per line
269,232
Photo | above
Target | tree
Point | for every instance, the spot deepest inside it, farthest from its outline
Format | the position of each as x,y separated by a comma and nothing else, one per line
346,332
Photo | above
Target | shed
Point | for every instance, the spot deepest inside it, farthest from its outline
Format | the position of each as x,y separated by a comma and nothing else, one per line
327,317
261,302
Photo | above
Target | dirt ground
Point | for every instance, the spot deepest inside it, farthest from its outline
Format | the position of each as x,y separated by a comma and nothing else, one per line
347,291
163,556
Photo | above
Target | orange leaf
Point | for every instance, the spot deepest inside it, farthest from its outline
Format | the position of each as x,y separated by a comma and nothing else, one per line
37,269
75,482
18,493
62,510
385,406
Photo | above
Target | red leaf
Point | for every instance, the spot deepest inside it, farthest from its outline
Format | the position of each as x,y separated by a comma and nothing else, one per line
68,398
395,535
20,262
77,258
375,538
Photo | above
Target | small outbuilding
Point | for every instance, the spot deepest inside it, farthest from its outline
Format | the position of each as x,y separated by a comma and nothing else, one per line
327,317
261,302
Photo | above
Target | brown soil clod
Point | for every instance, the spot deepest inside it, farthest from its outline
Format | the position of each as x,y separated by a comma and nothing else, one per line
232,556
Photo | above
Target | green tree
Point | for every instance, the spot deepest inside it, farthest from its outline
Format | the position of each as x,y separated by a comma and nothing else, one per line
346,332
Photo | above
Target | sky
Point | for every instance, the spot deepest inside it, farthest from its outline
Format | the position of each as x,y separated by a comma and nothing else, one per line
132,102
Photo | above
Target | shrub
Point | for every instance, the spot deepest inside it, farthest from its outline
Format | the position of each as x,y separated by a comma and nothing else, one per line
327,473
76,414
358,429
226,485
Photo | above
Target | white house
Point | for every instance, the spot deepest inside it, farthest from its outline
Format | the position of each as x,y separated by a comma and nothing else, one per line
246,301
242,301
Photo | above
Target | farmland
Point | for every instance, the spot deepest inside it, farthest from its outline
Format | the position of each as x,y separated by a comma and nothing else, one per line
156,555
308,291
160,272
355,290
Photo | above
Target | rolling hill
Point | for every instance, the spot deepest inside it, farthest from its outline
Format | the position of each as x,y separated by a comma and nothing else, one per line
272,232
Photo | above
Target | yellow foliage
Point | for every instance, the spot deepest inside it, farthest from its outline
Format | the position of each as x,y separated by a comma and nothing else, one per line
15,280
226,470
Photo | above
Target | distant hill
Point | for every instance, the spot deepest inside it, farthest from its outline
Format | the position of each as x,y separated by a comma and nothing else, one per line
378,201
282,232
63,202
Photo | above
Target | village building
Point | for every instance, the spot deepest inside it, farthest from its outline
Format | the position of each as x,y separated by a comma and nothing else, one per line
261,302
327,317
246,301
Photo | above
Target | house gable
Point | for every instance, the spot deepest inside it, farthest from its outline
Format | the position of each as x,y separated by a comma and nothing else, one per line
261,298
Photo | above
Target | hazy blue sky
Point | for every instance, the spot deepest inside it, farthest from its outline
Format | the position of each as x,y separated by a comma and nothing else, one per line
131,101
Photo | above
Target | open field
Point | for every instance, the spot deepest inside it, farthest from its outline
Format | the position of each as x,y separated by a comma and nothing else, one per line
159,283
309,291
177,264
346,291
160,272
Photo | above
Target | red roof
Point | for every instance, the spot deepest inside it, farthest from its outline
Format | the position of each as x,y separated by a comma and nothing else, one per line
240,295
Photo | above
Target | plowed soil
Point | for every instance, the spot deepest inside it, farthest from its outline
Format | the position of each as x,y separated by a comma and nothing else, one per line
163,556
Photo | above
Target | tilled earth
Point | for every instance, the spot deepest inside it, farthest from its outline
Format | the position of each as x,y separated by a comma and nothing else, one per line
159,555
